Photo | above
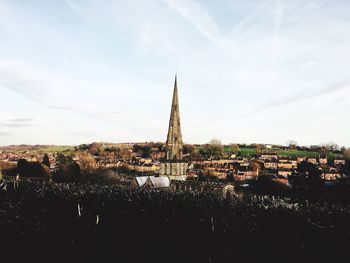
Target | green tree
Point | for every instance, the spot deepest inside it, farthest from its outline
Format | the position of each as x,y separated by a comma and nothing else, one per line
67,169
31,169
143,150
307,175
188,149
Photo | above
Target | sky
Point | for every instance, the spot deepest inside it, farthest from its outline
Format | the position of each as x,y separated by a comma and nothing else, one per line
249,71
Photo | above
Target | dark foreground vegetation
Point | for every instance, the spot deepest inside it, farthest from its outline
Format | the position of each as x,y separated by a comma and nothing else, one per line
43,222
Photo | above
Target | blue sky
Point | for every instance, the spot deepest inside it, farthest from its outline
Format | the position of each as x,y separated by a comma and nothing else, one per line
79,71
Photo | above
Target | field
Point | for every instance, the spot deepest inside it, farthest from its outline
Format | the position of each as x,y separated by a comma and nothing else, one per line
38,148
248,151
42,222
245,151
58,148
296,153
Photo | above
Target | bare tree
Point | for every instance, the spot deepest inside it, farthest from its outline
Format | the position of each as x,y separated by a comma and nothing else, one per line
86,161
215,142
259,148
214,148
292,144
234,148
330,146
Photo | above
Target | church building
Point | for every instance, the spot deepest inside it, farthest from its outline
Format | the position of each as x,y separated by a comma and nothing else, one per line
173,166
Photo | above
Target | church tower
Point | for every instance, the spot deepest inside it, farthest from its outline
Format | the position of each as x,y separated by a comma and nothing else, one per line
173,166
174,142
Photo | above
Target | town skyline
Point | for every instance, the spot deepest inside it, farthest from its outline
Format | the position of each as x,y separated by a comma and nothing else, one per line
205,131
247,72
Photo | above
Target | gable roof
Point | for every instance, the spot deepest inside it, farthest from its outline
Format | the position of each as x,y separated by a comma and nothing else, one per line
141,180
159,182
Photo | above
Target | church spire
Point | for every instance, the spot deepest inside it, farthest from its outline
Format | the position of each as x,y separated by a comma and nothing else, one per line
174,142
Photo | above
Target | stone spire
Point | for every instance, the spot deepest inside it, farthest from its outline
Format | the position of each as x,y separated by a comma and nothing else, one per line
174,142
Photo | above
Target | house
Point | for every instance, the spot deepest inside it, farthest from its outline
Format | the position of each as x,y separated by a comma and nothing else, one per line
285,172
338,162
294,163
285,165
323,160
139,181
269,157
246,175
312,160
160,182
282,179
151,182
330,176
270,165
301,159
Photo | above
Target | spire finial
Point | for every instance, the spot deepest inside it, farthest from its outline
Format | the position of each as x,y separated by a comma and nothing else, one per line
175,84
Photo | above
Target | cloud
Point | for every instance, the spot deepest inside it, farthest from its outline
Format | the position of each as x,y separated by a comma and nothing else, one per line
73,5
17,122
23,80
17,125
278,17
197,15
304,95
21,120
251,21
2,133
81,133
62,107
102,115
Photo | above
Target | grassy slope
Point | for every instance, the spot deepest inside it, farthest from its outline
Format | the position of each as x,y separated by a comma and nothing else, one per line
246,151
41,149
58,148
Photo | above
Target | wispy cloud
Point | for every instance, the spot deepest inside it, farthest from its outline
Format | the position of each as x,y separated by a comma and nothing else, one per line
197,15
106,116
17,122
17,125
72,4
2,133
251,21
81,133
21,120
304,95
277,17
57,107
22,80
